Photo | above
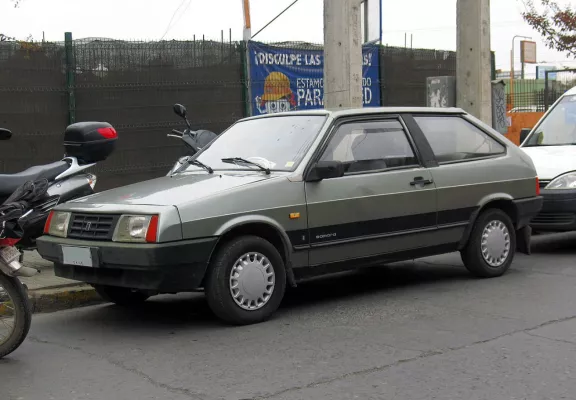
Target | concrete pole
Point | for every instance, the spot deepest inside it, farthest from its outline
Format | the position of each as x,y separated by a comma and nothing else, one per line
473,59
342,54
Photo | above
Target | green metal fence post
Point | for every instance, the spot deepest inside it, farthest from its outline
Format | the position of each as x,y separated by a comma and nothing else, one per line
70,76
493,65
246,79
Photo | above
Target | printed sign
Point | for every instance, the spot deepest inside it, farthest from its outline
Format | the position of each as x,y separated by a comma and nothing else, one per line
528,52
541,72
284,79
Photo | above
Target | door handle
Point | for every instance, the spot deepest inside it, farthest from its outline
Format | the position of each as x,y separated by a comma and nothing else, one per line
421,181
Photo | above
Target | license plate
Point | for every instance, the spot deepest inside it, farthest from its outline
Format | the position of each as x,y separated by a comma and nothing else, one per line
81,256
9,254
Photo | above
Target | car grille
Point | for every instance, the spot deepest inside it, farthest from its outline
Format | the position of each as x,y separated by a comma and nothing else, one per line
544,183
547,218
92,226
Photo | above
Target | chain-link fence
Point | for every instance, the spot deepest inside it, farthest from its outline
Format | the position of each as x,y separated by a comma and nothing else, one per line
133,85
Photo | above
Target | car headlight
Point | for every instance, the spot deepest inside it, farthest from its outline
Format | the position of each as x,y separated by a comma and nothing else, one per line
136,228
566,181
57,224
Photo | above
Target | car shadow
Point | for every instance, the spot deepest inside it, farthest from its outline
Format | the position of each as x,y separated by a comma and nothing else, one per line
557,243
191,311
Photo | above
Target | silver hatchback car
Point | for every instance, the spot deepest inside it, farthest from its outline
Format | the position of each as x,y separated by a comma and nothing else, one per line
277,198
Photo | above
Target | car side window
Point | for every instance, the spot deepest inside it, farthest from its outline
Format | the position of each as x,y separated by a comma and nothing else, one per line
370,145
455,139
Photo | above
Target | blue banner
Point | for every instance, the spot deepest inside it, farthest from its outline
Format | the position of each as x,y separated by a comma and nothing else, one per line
285,79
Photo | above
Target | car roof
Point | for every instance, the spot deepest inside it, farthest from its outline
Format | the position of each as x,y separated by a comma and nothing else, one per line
365,111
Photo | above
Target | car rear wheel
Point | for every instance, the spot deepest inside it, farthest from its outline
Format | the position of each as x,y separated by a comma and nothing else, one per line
121,296
246,281
492,245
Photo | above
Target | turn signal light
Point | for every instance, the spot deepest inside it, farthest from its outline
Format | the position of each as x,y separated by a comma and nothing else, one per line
152,233
48,222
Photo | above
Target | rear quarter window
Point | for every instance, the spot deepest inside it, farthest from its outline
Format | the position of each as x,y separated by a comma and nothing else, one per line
453,139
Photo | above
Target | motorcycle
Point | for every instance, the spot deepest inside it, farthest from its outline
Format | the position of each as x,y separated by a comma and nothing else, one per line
15,312
85,144
195,141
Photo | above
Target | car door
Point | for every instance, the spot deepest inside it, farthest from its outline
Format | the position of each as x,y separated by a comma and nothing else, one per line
384,203
467,175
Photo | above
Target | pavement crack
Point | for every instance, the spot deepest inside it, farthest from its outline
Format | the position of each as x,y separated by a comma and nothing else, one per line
549,338
422,356
148,378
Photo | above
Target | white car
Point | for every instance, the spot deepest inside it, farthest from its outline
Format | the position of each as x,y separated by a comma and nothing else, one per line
552,147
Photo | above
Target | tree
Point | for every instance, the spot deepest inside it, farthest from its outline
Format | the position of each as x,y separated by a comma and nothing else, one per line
3,37
555,23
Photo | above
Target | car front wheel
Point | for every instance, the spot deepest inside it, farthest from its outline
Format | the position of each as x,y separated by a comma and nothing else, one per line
246,281
492,245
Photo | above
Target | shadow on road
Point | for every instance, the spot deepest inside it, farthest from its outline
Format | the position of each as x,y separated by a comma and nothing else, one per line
558,243
190,311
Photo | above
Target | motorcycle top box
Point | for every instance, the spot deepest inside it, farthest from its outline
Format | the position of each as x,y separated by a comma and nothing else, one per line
90,142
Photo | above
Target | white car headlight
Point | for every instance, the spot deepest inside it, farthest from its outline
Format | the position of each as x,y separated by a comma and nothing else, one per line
566,181
57,224
136,228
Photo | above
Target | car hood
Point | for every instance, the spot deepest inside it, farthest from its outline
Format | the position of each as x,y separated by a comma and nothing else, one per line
172,191
551,161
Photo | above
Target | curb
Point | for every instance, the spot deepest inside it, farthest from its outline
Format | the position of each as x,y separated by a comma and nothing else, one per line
63,298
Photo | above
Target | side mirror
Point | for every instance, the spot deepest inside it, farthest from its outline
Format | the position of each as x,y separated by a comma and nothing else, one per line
180,110
524,134
5,134
326,170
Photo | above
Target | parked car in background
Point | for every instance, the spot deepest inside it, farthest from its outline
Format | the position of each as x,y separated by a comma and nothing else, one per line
280,197
552,147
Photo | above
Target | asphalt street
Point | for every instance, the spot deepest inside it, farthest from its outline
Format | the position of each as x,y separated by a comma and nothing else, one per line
415,330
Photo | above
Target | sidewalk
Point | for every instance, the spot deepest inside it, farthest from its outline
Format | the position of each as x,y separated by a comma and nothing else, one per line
48,292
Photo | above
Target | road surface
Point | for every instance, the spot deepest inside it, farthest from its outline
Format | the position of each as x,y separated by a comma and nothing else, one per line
416,330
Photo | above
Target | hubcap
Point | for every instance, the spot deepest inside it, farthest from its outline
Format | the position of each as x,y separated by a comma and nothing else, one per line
495,243
252,281
7,315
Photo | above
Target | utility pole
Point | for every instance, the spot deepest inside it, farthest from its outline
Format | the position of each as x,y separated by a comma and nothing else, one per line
473,66
342,54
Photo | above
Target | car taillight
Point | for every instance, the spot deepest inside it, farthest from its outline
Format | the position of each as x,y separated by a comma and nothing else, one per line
48,222
108,133
537,186
152,233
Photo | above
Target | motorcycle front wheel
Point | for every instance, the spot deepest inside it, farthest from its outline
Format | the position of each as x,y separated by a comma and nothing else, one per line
15,314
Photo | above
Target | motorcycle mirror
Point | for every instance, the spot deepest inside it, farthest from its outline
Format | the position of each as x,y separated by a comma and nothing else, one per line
5,134
180,110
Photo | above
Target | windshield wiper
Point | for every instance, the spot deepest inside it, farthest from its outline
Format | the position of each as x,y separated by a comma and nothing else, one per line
189,161
240,160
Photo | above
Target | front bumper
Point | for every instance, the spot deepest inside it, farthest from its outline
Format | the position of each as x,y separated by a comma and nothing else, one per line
163,267
558,213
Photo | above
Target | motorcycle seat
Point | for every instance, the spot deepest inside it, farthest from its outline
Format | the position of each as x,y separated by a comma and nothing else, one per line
10,182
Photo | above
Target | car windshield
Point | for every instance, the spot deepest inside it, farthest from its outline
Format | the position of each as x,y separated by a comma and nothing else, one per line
277,143
559,126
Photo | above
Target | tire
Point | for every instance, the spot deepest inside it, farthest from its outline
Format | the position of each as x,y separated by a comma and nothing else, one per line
472,254
22,314
219,282
121,296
